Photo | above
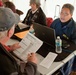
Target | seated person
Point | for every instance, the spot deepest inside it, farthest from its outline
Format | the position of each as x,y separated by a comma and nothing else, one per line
65,26
10,5
8,64
35,14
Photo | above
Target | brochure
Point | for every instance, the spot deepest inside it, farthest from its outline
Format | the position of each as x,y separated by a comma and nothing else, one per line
29,43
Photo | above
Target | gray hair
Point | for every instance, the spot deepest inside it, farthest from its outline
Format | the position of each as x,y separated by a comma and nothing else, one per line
3,34
69,6
37,2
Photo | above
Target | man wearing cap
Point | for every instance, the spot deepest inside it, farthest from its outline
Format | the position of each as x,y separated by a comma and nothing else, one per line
8,64
35,14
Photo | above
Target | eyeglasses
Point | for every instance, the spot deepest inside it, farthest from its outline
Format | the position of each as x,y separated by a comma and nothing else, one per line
65,14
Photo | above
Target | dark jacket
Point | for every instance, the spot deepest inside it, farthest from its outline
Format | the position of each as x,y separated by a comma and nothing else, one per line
9,66
38,17
67,32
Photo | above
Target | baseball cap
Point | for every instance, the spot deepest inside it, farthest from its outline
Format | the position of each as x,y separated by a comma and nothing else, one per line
35,1
7,18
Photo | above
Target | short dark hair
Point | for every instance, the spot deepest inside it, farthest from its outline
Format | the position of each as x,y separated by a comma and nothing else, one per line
10,5
69,6
8,18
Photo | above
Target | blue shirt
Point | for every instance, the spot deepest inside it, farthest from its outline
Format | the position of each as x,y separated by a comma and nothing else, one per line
68,31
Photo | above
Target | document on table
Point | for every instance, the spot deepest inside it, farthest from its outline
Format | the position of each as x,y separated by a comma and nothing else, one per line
22,26
29,43
48,60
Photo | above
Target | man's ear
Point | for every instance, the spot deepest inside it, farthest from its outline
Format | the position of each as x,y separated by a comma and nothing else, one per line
9,33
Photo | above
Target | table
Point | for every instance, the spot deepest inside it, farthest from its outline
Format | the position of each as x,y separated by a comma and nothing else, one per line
55,65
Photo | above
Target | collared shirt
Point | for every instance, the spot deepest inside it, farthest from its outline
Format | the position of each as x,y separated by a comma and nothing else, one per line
7,48
68,31
34,11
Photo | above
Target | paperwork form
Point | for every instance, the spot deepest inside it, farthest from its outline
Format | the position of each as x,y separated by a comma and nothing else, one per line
29,43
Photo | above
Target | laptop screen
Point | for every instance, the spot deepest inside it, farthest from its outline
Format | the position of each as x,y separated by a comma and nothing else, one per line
44,33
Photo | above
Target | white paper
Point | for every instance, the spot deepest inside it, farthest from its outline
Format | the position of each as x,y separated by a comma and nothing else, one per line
22,26
28,44
48,60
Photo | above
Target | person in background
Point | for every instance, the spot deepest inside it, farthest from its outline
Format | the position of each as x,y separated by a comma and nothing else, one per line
65,26
10,5
8,64
35,14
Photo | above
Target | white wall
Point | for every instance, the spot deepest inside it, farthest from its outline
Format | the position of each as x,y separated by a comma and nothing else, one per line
49,7
22,5
52,6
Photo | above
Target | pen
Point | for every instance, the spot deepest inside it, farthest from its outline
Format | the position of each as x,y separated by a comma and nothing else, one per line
70,51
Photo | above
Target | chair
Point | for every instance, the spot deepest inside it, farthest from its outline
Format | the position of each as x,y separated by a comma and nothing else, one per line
49,21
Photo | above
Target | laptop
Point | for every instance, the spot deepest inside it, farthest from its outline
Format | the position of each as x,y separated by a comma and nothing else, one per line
47,35
44,33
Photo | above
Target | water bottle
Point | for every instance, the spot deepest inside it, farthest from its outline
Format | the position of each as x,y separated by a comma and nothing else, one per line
31,30
58,45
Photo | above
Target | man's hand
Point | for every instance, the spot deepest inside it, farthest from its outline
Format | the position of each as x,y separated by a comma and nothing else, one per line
32,57
14,46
